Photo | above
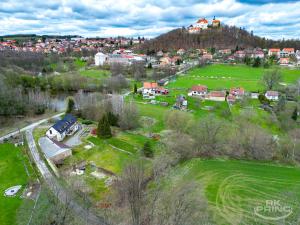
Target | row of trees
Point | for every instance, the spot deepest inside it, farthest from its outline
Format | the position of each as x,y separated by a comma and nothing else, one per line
211,137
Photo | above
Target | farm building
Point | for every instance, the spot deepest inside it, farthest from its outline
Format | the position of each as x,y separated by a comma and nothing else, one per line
100,59
198,90
55,151
67,126
238,92
217,95
272,95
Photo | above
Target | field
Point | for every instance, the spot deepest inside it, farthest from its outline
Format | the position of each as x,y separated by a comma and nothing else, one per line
12,172
235,188
97,74
219,77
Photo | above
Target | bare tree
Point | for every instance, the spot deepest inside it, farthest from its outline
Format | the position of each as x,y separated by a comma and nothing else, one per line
129,117
139,70
271,79
178,121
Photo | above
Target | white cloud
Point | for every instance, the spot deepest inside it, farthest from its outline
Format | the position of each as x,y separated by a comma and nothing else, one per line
141,17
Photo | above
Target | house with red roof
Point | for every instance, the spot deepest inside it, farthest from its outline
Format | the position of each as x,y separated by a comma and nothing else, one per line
274,51
150,88
217,95
284,61
286,52
198,90
238,92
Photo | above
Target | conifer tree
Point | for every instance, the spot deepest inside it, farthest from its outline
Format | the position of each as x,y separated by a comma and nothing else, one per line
104,130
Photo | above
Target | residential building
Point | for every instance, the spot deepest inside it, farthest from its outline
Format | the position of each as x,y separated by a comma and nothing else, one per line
150,88
286,52
217,95
100,59
225,51
201,24
240,54
67,126
272,95
238,92
284,61
180,51
274,51
216,23
181,102
207,56
198,90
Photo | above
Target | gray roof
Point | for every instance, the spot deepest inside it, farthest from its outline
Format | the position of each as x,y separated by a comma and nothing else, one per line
50,148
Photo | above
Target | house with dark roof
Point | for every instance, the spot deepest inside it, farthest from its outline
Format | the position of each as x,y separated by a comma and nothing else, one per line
67,126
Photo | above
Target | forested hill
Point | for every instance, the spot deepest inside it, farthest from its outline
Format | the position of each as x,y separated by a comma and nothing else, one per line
221,38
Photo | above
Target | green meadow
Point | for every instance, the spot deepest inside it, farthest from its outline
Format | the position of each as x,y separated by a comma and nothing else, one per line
13,166
219,77
235,188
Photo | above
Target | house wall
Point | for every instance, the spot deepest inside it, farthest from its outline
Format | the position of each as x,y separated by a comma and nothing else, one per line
219,99
61,156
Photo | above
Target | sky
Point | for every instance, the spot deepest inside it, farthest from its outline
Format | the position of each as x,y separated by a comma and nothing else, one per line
149,18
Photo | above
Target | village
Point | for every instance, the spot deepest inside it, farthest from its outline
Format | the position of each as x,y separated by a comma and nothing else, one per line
184,114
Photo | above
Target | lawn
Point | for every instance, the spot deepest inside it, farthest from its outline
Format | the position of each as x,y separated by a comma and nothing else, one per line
93,73
219,77
12,172
235,188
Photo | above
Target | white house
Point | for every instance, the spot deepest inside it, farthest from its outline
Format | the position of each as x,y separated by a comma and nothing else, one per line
100,59
67,126
272,95
150,88
198,90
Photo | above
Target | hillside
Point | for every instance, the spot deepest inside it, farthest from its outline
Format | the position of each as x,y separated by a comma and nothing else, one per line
225,37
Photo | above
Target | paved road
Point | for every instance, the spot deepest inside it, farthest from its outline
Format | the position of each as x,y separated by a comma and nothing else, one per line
59,190
31,126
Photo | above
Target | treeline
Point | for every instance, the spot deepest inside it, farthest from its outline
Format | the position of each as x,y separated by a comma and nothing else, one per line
223,38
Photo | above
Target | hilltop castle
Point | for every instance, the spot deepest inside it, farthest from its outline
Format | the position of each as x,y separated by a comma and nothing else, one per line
202,24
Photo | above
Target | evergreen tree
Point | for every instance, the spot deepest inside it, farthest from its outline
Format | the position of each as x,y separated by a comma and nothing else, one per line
112,119
295,114
257,62
70,105
150,66
104,130
135,88
147,149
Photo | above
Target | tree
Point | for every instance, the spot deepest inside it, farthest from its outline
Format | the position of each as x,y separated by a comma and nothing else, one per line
257,62
178,121
130,188
129,117
70,105
281,104
112,119
271,79
104,130
135,88
295,114
147,150
138,70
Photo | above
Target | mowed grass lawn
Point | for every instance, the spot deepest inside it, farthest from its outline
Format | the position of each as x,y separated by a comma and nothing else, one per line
235,188
219,77
12,172
93,73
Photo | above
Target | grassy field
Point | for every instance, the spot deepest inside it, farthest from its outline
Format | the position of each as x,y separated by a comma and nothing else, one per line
13,166
219,77
93,73
235,188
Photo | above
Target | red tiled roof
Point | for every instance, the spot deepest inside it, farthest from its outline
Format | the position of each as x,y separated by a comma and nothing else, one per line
237,91
202,21
149,85
199,88
288,49
217,94
274,50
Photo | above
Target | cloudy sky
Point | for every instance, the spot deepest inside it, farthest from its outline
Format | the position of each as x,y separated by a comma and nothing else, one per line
269,18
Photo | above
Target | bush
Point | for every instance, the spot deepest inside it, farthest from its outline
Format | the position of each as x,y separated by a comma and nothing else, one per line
87,122
147,150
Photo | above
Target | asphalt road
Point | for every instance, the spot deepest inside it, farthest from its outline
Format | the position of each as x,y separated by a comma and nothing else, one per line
31,126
